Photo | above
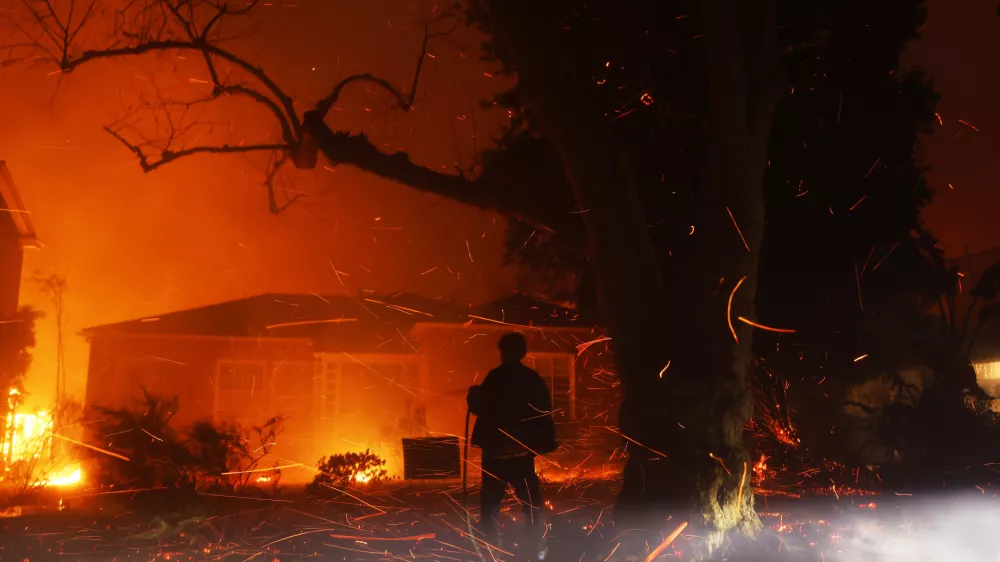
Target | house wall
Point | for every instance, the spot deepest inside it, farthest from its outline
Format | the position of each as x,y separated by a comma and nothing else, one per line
11,257
347,400
371,401
189,368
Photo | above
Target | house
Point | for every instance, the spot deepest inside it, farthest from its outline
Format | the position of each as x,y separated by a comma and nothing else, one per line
346,373
16,233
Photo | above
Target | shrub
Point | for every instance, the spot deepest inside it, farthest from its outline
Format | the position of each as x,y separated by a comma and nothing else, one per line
156,454
228,457
222,457
347,470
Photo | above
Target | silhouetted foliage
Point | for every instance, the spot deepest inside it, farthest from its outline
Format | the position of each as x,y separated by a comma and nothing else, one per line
17,337
843,187
155,451
343,470
842,259
204,457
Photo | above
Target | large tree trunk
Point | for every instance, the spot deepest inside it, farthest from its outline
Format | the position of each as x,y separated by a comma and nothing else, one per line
685,382
714,379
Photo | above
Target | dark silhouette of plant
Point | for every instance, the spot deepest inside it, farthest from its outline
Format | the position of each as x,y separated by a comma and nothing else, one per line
157,456
17,337
54,286
228,457
347,470
206,457
952,349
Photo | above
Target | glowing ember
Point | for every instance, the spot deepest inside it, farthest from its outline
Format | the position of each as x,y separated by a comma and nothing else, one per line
263,479
760,468
786,436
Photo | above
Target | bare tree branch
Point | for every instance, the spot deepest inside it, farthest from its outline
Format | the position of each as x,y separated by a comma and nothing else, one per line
168,156
274,167
284,100
143,27
405,102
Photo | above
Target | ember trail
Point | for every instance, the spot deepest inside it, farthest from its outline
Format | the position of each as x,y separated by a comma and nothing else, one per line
696,280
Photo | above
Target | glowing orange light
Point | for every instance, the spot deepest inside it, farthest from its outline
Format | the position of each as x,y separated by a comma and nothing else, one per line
28,435
65,478
738,231
666,542
729,309
765,328
664,369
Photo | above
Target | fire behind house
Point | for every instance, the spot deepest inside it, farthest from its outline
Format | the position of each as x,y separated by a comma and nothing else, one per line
345,373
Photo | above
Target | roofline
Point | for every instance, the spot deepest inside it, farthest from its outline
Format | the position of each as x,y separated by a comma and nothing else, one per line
156,317
503,327
90,335
18,213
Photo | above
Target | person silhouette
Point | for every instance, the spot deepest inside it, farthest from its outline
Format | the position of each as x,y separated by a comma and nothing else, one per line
514,424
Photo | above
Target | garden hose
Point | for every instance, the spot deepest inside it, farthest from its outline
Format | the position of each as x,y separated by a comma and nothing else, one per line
465,495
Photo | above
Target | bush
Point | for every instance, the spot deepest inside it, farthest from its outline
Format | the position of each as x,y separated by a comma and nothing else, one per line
347,470
228,458
206,457
156,454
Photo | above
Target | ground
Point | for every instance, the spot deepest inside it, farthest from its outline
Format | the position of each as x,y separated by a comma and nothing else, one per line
426,521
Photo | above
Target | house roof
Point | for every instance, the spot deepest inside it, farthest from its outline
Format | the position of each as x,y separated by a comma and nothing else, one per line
11,204
324,316
523,310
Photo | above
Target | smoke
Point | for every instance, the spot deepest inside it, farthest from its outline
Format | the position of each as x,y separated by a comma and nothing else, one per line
198,231
935,529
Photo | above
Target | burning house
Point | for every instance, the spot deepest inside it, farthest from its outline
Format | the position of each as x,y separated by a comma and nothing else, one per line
16,233
345,373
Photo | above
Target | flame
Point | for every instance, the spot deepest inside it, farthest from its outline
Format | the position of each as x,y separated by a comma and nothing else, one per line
263,479
362,477
68,476
28,435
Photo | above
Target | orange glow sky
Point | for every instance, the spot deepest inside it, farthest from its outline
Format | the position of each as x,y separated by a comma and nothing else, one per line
198,231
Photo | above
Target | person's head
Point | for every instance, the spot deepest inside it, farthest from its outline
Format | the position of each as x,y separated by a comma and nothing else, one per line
513,347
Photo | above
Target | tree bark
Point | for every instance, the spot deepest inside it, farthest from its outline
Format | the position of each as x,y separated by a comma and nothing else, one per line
685,382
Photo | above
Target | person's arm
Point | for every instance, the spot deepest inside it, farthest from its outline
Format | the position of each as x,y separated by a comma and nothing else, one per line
480,396
541,400
545,424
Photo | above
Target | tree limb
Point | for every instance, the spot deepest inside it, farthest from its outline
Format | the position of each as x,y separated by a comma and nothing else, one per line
168,156
327,103
358,151
284,100
179,26
274,167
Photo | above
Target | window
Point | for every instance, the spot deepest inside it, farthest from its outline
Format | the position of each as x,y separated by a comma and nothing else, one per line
365,394
988,370
240,391
988,376
294,398
558,371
